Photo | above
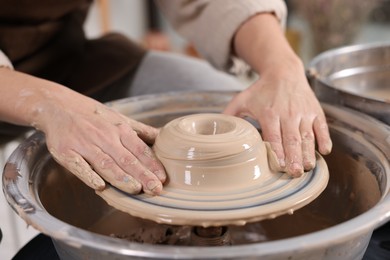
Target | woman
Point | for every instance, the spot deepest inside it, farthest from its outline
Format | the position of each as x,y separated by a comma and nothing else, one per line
54,79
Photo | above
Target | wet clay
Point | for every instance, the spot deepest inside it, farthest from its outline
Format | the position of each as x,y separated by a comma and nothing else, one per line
352,190
218,165
212,152
120,225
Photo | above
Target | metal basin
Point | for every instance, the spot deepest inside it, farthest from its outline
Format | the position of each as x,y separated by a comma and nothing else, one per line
337,225
354,76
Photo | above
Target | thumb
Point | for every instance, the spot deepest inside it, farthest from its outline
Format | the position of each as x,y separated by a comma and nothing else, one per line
232,108
147,133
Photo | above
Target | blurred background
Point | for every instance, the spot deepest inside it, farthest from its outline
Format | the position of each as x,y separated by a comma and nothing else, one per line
313,26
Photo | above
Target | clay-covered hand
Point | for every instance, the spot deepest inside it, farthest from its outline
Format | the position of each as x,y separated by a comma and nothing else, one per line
91,140
96,143
282,101
290,117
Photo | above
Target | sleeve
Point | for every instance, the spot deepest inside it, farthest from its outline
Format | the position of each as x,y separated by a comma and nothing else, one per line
4,61
211,24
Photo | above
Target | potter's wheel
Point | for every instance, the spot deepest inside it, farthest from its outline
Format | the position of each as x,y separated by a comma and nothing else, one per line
218,174
338,224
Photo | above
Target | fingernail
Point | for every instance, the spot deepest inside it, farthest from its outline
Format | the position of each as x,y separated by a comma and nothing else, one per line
98,184
309,165
161,175
295,169
282,163
130,185
327,148
153,187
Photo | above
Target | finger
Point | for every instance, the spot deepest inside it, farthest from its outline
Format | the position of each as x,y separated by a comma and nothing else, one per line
128,161
147,133
234,106
308,145
271,133
73,162
292,147
145,155
111,172
322,135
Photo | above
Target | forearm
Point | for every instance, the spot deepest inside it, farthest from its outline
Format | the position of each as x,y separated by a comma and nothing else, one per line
260,41
30,101
281,100
211,25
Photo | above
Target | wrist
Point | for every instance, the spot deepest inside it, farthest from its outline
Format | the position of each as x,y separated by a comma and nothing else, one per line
23,97
261,42
44,106
288,76
282,67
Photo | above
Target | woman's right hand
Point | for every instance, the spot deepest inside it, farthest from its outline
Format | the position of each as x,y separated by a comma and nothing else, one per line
97,143
91,140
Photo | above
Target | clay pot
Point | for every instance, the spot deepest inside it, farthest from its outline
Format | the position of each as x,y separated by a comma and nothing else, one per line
227,147
217,165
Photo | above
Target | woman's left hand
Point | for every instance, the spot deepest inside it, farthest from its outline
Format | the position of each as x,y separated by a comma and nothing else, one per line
290,117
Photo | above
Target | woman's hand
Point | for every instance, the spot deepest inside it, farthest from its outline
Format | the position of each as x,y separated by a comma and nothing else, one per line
290,117
97,143
282,101
91,140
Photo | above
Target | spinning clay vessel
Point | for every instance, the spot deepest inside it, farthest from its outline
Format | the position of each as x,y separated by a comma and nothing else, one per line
219,173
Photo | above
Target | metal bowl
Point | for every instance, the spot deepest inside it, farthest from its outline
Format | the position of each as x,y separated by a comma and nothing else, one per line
337,225
354,76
